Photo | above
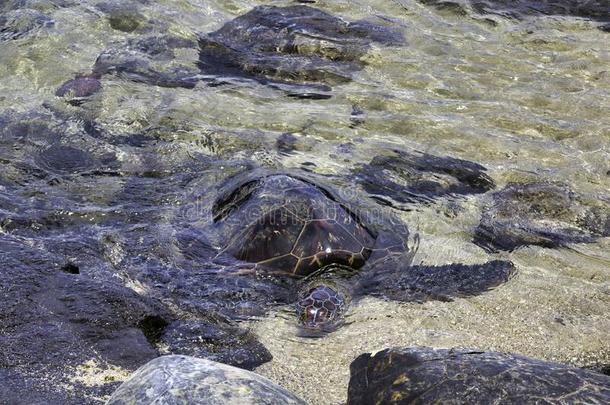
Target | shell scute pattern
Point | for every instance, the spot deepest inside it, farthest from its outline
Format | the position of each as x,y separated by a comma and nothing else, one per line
293,227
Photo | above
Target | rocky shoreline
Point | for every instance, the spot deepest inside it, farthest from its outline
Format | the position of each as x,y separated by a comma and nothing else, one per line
392,376
126,276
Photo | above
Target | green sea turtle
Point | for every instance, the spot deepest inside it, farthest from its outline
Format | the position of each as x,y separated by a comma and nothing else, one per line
336,245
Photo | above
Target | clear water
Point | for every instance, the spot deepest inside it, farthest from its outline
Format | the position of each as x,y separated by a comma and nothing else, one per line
528,100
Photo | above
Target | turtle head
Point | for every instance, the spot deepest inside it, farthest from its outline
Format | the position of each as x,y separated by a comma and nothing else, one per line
320,309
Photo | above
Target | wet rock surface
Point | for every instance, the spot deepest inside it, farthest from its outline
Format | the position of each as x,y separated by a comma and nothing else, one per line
426,376
189,380
55,322
293,44
39,5
541,214
299,50
77,90
149,60
18,23
300,36
123,16
61,317
412,177
596,10
233,346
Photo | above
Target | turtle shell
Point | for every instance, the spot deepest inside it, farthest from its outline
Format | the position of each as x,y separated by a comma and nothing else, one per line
291,225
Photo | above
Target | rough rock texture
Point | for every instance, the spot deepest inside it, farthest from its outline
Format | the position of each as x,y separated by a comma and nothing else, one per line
596,10
79,89
61,318
228,345
190,380
541,214
296,49
424,375
55,320
403,177
149,60
16,24
122,16
291,44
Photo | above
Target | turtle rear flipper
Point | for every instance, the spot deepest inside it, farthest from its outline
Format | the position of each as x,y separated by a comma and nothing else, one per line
442,283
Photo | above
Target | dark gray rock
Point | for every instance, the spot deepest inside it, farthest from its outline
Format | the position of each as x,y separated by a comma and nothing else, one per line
18,23
402,178
189,380
296,49
54,322
596,10
424,375
58,316
541,214
148,60
40,5
77,90
123,16
217,342
295,44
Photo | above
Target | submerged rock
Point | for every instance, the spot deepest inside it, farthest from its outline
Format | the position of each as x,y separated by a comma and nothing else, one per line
149,60
298,49
65,159
295,44
40,5
71,328
596,10
18,23
79,89
403,177
430,376
122,16
189,380
213,341
541,214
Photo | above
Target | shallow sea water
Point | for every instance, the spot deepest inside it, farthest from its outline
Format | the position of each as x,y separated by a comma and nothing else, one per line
527,99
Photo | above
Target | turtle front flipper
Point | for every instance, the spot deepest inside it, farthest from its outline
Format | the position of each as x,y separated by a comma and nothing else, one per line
442,283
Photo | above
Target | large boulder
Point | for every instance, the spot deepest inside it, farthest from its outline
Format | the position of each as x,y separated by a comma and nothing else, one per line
541,214
71,331
424,375
595,10
67,337
291,44
399,177
189,380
